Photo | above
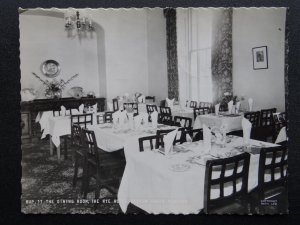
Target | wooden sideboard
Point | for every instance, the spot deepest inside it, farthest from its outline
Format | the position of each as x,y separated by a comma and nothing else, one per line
29,110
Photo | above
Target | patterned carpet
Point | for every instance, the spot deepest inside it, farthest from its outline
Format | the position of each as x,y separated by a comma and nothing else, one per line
47,185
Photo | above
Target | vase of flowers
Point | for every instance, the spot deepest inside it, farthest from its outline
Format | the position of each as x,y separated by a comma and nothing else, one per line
54,87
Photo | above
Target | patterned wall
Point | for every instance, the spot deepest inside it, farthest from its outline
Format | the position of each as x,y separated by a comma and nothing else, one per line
172,63
221,59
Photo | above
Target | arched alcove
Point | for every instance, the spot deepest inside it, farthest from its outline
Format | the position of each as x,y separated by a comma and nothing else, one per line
83,54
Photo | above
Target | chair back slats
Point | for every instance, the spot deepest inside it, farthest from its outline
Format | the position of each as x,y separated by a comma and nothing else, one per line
205,104
165,110
160,137
76,135
271,160
183,121
266,117
133,106
165,119
115,104
193,104
108,117
220,166
201,111
253,117
56,113
82,119
150,139
151,108
89,141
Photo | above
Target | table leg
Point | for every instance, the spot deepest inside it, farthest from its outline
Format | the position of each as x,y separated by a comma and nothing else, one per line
51,145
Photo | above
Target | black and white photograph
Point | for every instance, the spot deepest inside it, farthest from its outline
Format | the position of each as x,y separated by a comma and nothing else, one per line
154,110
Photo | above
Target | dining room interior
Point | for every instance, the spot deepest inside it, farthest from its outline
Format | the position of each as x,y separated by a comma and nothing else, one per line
155,111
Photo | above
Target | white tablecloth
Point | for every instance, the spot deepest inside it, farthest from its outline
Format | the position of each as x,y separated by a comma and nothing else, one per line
149,183
59,126
185,112
110,139
211,120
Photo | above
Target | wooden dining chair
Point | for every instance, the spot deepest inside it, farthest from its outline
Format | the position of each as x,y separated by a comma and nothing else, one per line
148,139
193,104
82,119
79,155
195,134
96,161
151,108
272,180
161,133
267,127
150,98
56,113
165,119
220,173
165,110
186,121
108,117
79,119
133,106
205,104
115,104
201,111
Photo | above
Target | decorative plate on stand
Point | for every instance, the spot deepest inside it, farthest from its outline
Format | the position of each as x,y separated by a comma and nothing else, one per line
50,68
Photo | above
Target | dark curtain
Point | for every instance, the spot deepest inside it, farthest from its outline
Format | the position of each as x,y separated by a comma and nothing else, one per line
221,58
172,62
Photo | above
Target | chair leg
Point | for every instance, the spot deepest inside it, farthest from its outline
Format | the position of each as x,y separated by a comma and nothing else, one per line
86,181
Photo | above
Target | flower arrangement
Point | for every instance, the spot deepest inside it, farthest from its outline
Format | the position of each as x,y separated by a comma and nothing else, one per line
228,96
54,87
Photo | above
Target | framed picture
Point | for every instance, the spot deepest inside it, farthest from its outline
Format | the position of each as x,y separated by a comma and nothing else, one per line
50,68
260,57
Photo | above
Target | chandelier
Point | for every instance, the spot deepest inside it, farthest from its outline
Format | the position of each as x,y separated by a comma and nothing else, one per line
82,23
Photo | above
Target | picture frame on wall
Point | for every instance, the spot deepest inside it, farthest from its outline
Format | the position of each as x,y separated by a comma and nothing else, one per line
260,57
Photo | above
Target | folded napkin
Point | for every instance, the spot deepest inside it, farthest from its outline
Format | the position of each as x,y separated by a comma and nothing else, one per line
206,138
246,125
154,116
80,108
130,120
168,141
230,104
116,117
141,99
250,102
217,107
138,121
62,110
145,118
237,107
123,118
110,106
95,109
281,136
170,103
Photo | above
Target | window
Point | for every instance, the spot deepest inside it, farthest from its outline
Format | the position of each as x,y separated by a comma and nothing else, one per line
200,75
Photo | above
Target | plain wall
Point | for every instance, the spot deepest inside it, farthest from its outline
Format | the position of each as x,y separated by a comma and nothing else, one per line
43,37
254,28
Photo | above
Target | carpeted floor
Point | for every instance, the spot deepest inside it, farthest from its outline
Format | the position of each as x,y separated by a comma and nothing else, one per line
47,185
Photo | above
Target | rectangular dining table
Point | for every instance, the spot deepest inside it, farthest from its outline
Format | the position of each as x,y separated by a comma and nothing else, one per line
175,184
